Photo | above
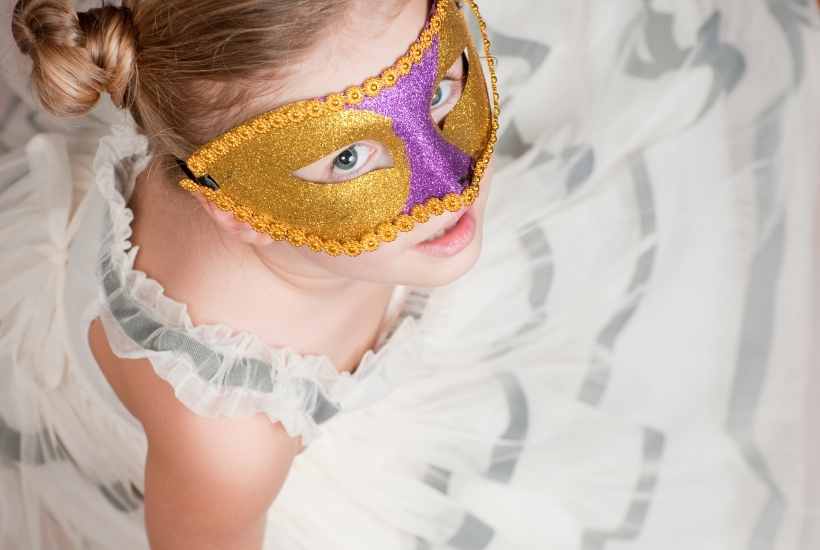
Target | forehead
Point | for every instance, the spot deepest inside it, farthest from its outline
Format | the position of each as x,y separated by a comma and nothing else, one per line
361,46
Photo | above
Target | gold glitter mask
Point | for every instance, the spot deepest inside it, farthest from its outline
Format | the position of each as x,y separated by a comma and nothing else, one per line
252,169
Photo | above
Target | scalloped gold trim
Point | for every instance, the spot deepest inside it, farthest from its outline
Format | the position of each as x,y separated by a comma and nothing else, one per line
295,113
384,232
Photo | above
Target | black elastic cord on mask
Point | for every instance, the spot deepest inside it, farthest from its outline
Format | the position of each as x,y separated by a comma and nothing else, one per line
204,181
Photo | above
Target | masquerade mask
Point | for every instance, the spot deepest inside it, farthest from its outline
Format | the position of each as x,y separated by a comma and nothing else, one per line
253,170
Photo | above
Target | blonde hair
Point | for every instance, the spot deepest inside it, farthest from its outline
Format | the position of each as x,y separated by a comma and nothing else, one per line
181,67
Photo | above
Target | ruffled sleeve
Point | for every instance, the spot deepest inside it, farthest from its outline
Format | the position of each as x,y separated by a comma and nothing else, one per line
214,370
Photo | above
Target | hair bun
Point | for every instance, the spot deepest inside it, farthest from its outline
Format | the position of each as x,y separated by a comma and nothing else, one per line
77,56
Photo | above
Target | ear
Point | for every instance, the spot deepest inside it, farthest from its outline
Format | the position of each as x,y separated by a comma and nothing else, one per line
228,224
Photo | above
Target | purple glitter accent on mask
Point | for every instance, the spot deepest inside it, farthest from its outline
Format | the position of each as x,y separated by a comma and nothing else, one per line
437,167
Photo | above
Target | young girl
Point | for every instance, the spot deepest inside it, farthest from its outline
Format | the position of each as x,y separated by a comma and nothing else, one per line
280,302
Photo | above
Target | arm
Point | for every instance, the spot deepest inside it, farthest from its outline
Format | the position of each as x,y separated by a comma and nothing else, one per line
208,481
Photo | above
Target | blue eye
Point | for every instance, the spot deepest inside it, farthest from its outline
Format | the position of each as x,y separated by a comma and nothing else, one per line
347,159
437,97
353,160
442,94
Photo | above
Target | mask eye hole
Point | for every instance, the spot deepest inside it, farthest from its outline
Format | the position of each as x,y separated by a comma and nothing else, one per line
450,89
352,161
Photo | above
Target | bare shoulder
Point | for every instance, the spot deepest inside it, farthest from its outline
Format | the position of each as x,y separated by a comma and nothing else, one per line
198,467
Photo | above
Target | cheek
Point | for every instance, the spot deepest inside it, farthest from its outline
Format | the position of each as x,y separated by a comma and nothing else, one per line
373,266
486,188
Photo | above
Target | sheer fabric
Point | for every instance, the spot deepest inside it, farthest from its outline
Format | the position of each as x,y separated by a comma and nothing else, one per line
628,366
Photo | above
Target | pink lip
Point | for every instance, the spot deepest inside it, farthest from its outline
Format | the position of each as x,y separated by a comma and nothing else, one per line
454,240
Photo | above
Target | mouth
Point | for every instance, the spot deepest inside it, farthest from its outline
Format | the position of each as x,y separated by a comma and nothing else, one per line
441,232
452,239
464,181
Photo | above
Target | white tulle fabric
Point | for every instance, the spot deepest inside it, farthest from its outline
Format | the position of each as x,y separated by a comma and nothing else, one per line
629,365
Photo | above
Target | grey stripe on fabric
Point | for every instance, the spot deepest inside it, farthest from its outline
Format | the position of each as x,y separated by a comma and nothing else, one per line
511,143
146,332
663,52
665,55
633,522
582,158
324,409
123,499
787,14
11,449
438,478
473,534
534,52
534,240
16,168
36,126
599,373
11,109
48,449
766,268
757,329
505,455
726,61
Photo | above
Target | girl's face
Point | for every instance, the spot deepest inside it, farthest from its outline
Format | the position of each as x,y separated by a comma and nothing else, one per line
360,46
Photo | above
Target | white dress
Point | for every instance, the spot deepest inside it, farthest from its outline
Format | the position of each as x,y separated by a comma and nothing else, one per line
628,366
